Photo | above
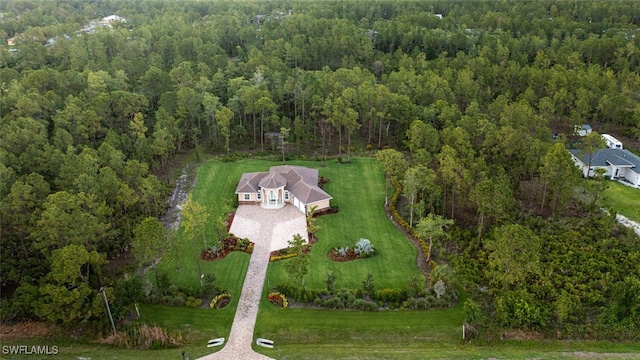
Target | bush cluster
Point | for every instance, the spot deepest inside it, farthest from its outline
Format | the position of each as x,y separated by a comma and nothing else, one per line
297,293
358,299
193,302
192,296
391,295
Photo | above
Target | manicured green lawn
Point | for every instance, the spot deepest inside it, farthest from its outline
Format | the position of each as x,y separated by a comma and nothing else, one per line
622,199
358,191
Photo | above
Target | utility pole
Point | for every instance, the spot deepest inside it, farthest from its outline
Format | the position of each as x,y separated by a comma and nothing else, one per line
104,294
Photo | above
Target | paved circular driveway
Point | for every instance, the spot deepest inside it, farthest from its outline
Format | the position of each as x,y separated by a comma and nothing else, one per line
269,230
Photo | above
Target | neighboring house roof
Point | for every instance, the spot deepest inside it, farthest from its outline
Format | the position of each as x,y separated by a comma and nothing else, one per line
302,182
608,157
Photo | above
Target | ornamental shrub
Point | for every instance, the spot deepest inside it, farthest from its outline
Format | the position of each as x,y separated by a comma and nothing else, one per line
368,286
391,295
342,251
330,281
361,304
193,302
333,302
440,288
364,248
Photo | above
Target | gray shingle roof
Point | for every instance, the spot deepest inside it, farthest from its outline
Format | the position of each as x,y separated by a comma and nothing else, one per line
608,157
302,182
272,180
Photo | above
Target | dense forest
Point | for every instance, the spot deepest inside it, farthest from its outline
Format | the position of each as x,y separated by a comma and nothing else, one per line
473,93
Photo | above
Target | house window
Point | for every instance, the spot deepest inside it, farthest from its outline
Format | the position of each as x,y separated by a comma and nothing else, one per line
286,195
247,196
259,195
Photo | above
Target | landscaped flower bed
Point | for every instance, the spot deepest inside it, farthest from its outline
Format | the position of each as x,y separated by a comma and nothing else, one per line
362,250
278,299
342,256
229,244
220,301
284,254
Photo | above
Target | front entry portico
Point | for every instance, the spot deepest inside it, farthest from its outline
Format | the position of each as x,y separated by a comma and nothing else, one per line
272,198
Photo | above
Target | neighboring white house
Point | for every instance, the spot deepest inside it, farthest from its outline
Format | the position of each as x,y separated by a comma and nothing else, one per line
612,142
620,164
111,19
296,185
582,130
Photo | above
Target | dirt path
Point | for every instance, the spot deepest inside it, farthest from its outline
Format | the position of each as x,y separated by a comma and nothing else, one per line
171,219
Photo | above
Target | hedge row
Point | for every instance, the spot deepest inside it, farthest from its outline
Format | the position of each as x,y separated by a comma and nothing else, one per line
401,221
282,257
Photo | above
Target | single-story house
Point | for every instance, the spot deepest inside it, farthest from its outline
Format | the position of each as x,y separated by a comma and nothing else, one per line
296,185
620,164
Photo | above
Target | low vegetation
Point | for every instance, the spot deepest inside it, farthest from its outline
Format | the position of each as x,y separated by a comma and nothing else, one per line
144,337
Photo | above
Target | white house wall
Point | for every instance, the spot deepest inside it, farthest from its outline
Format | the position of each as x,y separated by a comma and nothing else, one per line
583,167
632,176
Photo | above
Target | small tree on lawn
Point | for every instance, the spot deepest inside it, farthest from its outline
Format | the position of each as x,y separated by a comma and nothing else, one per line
298,266
368,286
194,218
218,225
312,226
330,281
